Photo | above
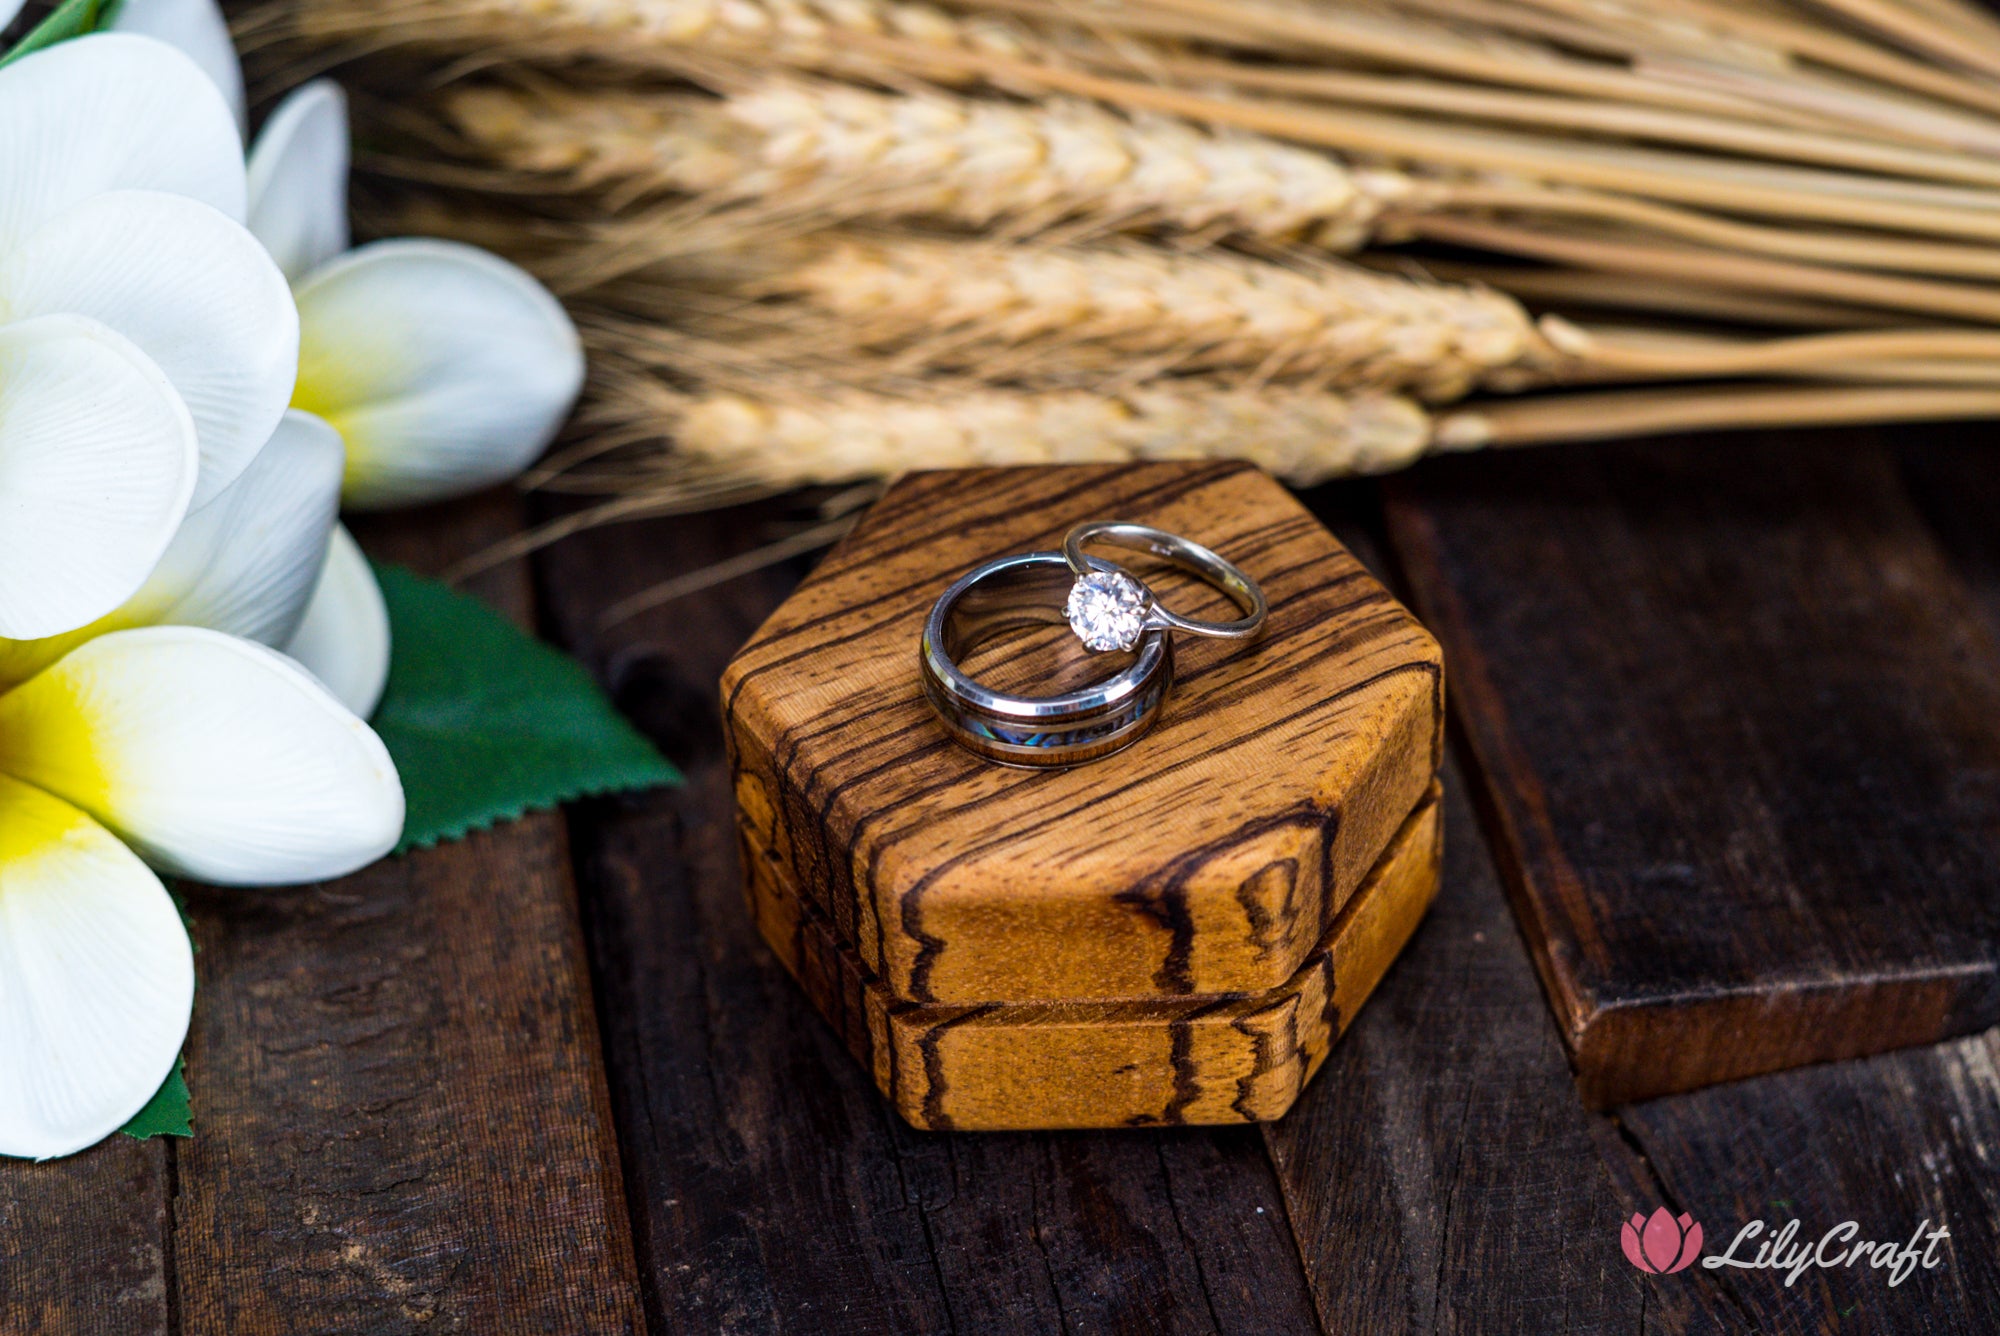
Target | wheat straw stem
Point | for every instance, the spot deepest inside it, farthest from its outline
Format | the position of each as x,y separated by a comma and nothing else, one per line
1960,301
1568,115
1850,250
1607,415
1771,189
1954,45
1382,39
1708,357
810,539
1558,287
1816,42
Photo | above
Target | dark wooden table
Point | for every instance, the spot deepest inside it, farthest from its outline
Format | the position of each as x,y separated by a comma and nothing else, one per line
547,1080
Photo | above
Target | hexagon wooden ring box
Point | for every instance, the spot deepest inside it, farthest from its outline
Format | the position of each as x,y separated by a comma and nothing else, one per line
1172,934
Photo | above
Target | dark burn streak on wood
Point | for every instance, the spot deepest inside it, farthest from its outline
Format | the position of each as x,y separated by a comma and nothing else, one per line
1253,892
1162,897
935,1084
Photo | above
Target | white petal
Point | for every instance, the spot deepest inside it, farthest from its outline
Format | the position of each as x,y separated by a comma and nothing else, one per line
193,289
197,30
344,639
246,562
8,9
96,978
445,369
298,179
111,111
214,757
97,461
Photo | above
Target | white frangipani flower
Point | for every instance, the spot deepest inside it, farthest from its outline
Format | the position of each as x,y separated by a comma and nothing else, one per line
9,9
148,344
201,754
444,368
133,741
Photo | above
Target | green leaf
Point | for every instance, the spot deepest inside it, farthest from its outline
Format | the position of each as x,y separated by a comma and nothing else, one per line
166,1114
485,722
71,18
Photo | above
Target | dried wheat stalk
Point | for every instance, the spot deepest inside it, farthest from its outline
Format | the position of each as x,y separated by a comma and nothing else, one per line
813,152
844,434
829,150
1089,315
673,35
1304,436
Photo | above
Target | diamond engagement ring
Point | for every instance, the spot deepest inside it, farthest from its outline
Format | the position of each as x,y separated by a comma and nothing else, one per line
1037,731
1109,609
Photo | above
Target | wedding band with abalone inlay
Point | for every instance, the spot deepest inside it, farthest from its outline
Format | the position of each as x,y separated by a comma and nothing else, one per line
1038,731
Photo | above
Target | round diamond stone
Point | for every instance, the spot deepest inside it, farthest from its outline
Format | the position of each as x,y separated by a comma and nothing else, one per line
1107,610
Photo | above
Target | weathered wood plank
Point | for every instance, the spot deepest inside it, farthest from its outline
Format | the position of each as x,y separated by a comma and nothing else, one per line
84,1243
1735,718
773,1189
401,1115
1890,1143
1441,1174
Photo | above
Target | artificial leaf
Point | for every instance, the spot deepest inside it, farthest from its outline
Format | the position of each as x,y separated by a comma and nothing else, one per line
485,722
71,18
167,1113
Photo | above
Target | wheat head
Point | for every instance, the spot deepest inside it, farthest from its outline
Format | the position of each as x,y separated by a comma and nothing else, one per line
676,35
831,150
1304,436
1034,313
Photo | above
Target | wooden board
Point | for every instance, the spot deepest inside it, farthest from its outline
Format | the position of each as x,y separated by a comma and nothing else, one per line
1210,857
1737,725
1220,1059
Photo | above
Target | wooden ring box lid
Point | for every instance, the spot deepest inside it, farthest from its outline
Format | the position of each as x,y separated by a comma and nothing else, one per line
1210,860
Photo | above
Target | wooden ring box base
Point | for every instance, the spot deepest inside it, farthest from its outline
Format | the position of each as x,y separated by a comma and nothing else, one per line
1237,1057
1154,937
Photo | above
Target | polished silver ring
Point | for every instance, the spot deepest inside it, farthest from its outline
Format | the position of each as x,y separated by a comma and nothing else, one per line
1037,731
1109,609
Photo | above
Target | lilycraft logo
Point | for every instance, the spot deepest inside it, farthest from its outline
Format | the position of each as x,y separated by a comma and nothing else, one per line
1663,1243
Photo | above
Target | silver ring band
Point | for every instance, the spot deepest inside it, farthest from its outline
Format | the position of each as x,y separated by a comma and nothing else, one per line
1036,731
1185,553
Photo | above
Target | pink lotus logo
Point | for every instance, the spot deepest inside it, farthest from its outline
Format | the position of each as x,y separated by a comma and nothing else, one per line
1661,1244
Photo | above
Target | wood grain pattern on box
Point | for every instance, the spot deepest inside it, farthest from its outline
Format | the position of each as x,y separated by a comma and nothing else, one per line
1210,857
1237,1057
